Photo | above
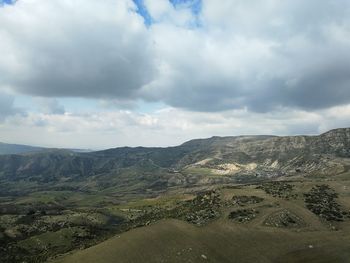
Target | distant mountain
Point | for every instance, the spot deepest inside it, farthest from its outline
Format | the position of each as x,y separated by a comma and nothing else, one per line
6,148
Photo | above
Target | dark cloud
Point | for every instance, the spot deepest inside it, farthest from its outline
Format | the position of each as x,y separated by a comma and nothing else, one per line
326,87
74,49
323,83
288,54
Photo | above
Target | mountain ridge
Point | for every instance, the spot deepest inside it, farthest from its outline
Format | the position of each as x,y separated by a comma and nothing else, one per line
24,148
13,148
9,148
212,160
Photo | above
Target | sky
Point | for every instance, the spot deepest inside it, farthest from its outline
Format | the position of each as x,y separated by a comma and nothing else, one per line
103,74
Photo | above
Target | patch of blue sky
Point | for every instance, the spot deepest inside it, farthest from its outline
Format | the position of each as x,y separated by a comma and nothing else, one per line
150,107
6,2
142,10
194,5
79,105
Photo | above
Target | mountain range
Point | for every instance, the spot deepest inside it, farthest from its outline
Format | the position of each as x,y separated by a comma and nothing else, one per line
215,160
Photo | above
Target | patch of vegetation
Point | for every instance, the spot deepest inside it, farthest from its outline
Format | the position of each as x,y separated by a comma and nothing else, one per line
32,233
199,211
243,200
203,208
243,215
284,219
321,200
279,189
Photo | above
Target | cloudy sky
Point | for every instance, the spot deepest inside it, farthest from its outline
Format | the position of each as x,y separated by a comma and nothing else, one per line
100,74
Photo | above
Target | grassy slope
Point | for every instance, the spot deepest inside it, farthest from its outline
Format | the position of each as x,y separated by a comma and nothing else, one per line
176,241
226,241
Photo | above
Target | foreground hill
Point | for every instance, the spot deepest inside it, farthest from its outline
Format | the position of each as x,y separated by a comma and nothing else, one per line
176,241
264,228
